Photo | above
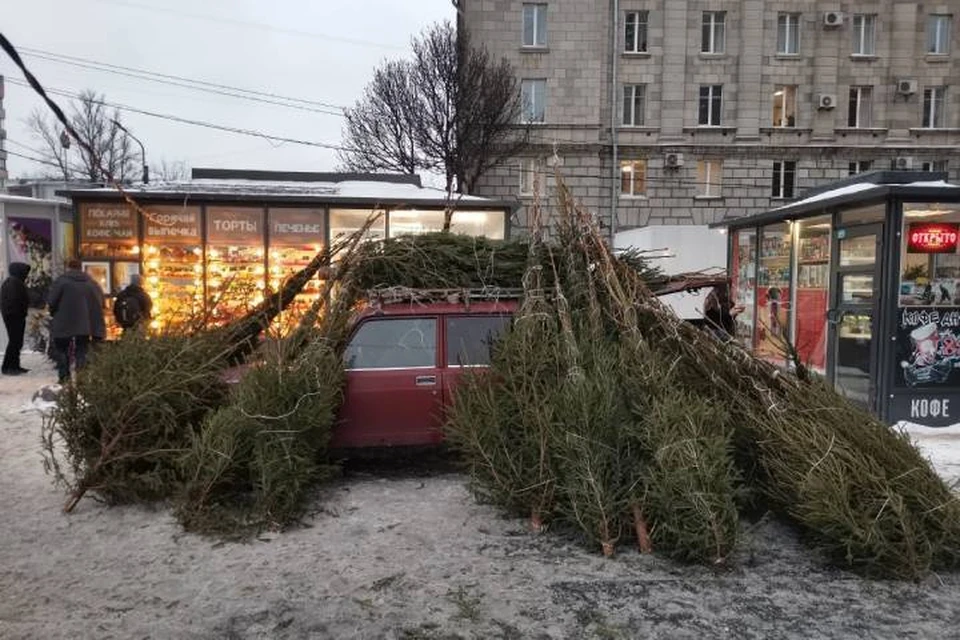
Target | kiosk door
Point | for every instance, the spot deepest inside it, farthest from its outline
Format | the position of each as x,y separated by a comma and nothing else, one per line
856,293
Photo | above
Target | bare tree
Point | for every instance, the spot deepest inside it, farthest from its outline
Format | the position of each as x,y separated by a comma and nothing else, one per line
176,171
111,151
451,109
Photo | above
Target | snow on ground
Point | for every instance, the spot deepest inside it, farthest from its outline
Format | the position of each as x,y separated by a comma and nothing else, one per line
408,555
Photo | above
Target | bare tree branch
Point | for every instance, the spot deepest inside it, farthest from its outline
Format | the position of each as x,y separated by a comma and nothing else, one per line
450,110
110,149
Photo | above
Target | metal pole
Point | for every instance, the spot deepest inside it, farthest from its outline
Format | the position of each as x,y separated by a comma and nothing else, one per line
614,154
143,152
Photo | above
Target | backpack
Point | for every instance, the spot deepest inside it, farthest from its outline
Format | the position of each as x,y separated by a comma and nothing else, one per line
126,309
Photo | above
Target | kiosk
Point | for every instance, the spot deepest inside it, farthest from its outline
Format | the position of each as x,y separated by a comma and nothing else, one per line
862,278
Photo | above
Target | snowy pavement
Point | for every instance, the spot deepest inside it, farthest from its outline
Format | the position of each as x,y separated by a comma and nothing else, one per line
408,557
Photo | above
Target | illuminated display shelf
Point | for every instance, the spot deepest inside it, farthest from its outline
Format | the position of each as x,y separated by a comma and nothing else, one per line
236,278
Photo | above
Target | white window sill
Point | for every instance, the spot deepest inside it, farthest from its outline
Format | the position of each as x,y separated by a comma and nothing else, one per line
864,130
788,56
532,123
636,127
919,130
712,55
627,196
635,54
937,57
531,48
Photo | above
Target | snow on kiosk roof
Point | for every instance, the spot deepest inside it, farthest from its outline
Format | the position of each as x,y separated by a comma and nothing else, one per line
855,190
289,187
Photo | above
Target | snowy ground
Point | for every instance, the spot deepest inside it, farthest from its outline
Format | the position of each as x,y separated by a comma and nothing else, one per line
407,556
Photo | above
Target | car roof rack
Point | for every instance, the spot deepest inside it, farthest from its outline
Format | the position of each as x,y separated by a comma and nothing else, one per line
398,295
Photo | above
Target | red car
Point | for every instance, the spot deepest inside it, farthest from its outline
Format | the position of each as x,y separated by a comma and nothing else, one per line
403,362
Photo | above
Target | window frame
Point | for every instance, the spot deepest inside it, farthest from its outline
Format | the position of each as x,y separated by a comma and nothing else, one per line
348,367
786,90
641,19
505,319
632,89
938,39
860,109
856,167
714,23
935,165
861,32
538,25
632,165
784,21
713,100
934,107
527,167
710,178
780,186
533,83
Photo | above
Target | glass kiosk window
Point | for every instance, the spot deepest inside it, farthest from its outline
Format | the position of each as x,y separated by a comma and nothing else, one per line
744,277
813,291
773,293
928,324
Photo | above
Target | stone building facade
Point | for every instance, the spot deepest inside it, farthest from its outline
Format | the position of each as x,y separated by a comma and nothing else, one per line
691,111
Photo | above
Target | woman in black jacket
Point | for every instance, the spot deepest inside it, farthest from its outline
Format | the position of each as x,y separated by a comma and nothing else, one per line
720,312
14,304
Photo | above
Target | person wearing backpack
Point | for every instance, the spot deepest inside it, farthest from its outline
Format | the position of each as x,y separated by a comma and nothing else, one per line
132,305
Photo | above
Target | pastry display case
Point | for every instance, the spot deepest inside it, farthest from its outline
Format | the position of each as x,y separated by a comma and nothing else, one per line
173,264
296,237
235,262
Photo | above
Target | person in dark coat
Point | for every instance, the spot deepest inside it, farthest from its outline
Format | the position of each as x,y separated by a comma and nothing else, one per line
720,312
75,300
133,306
14,304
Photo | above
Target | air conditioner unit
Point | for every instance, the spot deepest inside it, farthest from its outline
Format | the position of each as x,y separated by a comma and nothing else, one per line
903,162
832,18
906,87
673,160
826,101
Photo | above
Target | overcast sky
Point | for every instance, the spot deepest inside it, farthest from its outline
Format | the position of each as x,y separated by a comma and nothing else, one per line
318,50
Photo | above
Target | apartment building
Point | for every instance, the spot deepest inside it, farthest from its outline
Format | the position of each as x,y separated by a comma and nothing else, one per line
663,112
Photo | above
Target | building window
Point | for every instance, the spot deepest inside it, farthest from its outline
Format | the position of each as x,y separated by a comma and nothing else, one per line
934,165
633,178
635,32
933,105
709,178
861,108
788,33
938,34
859,166
634,105
784,174
711,104
785,106
864,35
533,98
714,23
534,25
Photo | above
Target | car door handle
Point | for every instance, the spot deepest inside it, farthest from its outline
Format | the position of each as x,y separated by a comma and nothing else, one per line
426,381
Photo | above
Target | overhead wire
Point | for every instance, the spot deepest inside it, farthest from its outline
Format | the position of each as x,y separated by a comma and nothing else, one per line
264,97
259,26
198,123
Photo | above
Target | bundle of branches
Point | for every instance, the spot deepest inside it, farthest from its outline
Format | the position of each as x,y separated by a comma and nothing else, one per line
253,460
451,261
571,426
861,490
121,428
130,412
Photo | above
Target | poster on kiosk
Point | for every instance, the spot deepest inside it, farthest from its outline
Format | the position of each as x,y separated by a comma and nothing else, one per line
928,325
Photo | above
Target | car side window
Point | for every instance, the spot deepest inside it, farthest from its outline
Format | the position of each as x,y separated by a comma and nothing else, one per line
470,339
393,343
